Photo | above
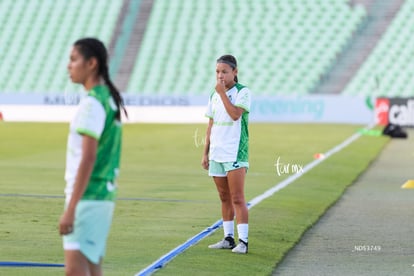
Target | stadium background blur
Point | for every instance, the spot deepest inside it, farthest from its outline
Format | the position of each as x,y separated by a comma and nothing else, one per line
305,61
342,53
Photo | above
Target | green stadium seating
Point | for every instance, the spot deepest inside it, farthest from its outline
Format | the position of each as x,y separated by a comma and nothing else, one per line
283,47
37,35
388,71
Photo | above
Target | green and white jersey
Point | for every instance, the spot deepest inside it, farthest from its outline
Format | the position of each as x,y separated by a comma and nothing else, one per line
229,140
95,117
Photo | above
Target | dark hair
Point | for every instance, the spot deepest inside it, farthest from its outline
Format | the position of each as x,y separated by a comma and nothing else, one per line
231,61
92,47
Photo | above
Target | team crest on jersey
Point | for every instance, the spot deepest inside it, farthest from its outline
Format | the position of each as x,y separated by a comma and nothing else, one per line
110,186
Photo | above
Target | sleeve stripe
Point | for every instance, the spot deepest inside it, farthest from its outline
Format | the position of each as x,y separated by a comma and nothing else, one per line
88,133
242,106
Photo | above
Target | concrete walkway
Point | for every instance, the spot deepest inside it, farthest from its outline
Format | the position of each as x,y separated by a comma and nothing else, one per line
370,230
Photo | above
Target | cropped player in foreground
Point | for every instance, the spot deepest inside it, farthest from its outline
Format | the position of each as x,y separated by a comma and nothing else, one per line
226,151
92,161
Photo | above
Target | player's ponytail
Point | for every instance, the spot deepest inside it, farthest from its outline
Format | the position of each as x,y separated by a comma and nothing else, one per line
114,92
231,61
92,47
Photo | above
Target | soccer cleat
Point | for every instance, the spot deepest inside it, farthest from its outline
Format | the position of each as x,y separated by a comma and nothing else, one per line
226,243
241,248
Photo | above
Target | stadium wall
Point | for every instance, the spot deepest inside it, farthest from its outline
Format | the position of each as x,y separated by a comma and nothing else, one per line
191,109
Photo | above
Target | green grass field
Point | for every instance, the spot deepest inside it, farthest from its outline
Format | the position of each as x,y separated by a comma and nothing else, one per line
166,197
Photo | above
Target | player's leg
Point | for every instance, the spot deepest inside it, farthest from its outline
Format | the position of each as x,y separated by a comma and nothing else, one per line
76,263
96,269
236,180
223,190
227,213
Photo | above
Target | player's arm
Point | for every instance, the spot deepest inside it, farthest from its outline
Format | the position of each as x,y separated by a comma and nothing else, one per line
234,112
204,160
89,149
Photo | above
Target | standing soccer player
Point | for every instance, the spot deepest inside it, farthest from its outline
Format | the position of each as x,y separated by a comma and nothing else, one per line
92,161
226,151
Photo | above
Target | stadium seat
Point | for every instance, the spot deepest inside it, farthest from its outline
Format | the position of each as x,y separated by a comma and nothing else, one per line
388,69
283,47
37,35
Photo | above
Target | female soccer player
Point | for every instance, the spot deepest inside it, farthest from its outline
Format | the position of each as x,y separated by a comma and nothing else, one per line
226,151
92,160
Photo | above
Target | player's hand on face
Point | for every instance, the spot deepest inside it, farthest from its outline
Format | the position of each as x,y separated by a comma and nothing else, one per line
220,86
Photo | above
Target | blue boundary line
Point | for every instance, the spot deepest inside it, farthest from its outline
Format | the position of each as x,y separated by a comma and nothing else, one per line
29,264
161,262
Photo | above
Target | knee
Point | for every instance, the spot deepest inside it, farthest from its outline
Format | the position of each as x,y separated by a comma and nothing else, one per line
238,200
225,197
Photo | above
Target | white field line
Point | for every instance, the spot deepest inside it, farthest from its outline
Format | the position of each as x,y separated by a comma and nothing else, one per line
162,261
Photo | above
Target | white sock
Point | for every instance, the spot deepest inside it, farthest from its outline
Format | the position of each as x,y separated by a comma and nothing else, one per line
243,231
228,227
